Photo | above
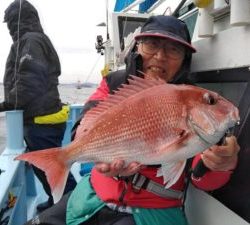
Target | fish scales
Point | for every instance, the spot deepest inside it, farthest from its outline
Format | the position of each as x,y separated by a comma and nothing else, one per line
155,121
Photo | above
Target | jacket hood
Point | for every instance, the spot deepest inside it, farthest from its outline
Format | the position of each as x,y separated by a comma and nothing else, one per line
29,19
182,75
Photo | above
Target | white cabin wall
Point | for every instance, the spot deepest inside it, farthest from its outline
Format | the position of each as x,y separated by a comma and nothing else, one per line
203,209
229,47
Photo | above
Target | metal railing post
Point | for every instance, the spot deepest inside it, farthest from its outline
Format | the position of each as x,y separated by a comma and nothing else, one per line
14,130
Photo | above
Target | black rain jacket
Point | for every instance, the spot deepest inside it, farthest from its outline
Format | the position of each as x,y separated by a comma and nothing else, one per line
32,67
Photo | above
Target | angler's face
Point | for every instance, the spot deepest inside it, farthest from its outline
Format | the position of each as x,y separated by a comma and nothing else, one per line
161,58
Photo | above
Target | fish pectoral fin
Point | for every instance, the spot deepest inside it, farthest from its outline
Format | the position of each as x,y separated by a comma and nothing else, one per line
177,142
182,135
171,172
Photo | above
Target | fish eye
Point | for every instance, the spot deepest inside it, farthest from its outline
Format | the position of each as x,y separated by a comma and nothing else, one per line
209,99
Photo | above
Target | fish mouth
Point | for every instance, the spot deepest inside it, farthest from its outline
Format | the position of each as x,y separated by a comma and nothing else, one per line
201,134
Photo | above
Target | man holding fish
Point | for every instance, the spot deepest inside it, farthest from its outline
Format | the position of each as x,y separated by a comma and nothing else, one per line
141,138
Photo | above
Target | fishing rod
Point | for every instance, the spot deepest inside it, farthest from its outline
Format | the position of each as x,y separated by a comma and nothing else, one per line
176,11
200,169
107,20
17,49
92,69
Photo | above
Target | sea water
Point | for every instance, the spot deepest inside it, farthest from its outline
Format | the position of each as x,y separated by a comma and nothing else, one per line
68,93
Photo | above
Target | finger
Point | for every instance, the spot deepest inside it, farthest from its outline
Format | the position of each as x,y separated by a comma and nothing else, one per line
116,167
102,167
131,169
227,150
232,141
230,147
216,163
210,156
110,169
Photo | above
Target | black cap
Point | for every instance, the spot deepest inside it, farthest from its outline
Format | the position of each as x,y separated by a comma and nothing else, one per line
167,27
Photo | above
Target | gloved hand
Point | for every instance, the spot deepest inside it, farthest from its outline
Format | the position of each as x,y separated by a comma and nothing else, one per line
4,107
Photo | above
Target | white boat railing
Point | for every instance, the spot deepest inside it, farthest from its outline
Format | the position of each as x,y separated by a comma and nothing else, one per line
18,180
13,179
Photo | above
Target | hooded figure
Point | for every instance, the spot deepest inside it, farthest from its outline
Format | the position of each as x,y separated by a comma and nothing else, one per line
30,84
31,77
29,19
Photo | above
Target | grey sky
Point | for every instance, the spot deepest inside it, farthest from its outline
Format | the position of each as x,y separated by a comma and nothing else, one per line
71,26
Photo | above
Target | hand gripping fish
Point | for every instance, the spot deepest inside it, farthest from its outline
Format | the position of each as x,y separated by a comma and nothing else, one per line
148,121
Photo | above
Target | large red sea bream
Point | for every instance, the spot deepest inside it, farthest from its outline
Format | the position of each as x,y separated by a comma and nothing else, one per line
147,121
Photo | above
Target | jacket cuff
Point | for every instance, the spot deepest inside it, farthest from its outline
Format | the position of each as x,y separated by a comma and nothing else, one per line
2,107
212,179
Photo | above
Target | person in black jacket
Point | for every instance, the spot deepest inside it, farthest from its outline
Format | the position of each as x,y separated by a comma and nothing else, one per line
30,84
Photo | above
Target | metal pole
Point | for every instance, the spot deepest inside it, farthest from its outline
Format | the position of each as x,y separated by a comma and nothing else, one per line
176,11
14,130
107,20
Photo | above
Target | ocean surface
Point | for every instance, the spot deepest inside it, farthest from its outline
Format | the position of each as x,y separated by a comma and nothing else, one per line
68,93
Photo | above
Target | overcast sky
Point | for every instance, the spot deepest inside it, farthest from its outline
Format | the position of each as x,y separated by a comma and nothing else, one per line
71,26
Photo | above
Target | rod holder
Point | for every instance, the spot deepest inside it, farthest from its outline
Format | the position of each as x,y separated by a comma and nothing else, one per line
240,12
219,4
206,22
14,129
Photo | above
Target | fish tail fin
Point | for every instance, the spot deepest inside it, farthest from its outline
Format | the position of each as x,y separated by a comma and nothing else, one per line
171,172
53,162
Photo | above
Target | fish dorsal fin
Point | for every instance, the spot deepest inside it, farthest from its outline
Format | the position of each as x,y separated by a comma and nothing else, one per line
136,85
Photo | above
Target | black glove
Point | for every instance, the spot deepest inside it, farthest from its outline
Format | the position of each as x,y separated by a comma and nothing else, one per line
133,64
4,107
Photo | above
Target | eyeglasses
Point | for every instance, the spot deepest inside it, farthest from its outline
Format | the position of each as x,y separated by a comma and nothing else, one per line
172,50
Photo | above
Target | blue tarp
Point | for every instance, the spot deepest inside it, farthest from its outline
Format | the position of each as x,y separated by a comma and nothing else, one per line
143,7
146,5
122,4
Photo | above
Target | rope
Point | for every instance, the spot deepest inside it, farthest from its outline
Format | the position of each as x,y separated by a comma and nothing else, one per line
17,50
92,69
